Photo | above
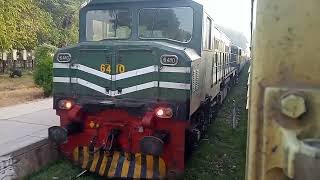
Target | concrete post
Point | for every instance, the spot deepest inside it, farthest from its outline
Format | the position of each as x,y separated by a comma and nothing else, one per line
24,58
4,56
24,55
14,54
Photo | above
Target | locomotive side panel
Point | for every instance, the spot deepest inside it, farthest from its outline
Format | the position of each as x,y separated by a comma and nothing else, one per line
209,86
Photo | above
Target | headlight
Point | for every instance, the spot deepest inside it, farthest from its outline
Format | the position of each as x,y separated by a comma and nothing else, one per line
65,104
163,112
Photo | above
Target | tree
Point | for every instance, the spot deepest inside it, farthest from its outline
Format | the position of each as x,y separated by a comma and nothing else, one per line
22,21
25,24
43,73
65,17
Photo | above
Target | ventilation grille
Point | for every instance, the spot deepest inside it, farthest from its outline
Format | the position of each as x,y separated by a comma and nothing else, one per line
195,80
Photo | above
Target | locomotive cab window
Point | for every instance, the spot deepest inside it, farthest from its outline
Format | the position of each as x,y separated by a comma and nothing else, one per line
166,23
108,24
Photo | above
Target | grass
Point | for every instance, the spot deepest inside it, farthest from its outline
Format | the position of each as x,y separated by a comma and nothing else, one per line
61,170
220,156
18,90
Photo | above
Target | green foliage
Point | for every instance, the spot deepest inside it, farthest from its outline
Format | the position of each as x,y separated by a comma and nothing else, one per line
65,17
21,23
24,24
43,71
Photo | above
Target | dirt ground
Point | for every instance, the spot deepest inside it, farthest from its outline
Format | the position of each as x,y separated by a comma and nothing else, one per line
18,90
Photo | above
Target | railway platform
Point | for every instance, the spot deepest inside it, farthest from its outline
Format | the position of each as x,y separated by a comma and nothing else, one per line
24,147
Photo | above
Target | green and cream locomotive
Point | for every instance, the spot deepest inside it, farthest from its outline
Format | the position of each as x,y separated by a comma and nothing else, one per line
138,90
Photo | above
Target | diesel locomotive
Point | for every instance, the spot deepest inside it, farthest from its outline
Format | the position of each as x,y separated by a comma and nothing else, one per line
138,90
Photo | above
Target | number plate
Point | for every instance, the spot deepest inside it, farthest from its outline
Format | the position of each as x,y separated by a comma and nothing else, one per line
169,60
64,57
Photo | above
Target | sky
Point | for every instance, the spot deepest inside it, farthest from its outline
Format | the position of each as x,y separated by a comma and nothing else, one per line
235,14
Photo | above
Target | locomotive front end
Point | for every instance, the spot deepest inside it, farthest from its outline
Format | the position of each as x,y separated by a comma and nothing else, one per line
123,99
142,111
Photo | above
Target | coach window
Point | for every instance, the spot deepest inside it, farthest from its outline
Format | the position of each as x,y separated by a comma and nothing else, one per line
207,41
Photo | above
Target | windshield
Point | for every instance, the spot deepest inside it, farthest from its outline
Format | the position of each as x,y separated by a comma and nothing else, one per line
166,23
108,24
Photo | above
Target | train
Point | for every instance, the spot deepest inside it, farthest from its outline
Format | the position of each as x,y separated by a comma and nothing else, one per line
139,90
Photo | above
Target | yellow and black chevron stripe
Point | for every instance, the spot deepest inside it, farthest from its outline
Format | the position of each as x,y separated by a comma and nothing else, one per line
120,164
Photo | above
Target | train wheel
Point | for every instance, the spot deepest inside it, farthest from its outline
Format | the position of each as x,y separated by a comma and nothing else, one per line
212,112
203,122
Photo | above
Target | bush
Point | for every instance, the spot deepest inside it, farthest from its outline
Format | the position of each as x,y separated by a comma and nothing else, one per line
43,68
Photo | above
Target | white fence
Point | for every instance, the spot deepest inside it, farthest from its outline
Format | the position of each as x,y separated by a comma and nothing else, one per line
16,59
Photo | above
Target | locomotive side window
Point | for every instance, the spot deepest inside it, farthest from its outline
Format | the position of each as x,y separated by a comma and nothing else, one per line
215,68
216,44
220,65
108,24
166,23
224,63
207,43
227,63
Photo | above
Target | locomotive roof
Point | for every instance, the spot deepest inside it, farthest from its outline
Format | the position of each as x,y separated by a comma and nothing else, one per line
221,36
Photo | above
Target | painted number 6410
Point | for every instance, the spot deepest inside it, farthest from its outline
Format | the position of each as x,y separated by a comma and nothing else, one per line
106,68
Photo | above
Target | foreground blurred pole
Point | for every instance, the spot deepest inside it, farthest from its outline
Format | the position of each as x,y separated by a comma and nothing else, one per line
284,115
